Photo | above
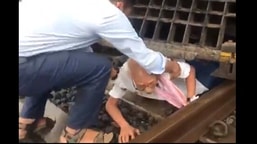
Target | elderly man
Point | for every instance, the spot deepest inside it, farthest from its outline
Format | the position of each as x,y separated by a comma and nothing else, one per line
54,52
133,78
195,79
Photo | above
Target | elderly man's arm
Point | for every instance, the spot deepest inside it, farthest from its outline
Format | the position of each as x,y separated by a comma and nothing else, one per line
191,83
187,72
127,132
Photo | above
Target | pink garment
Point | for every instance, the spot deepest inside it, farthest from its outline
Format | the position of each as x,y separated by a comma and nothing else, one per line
170,92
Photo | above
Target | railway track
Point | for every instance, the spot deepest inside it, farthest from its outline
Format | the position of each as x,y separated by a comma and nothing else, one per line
196,29
188,124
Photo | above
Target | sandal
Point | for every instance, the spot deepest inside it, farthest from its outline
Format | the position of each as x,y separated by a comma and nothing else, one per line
99,136
34,130
45,128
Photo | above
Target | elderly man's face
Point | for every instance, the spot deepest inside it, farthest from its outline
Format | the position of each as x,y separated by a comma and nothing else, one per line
146,84
142,80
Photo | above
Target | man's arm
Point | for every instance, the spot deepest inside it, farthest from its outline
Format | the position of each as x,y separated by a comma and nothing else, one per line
112,105
191,83
127,132
113,110
188,73
117,30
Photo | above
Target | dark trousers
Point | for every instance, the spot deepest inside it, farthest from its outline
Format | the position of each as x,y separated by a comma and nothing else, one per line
41,74
204,70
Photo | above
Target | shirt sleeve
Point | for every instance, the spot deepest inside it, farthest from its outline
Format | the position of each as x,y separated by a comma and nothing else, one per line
117,92
185,69
117,30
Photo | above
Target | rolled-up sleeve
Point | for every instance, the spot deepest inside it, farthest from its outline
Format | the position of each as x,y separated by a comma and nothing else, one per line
185,69
117,92
117,30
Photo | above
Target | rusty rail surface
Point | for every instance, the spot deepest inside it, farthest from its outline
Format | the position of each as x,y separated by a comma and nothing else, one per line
187,52
190,122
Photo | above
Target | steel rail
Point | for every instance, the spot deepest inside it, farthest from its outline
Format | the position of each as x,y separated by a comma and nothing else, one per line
189,123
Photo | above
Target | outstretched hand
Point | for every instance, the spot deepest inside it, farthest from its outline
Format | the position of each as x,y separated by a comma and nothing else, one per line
128,133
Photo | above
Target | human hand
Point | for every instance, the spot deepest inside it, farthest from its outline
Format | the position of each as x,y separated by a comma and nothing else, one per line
127,133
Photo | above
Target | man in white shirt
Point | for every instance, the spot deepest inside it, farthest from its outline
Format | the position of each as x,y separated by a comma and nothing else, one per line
52,35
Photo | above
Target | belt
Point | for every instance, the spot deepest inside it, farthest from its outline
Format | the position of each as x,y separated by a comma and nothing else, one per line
22,60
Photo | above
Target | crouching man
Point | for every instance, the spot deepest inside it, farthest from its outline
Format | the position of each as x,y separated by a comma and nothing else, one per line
132,77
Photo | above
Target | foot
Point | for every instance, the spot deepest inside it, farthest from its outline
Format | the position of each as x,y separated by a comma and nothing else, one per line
23,127
29,126
84,136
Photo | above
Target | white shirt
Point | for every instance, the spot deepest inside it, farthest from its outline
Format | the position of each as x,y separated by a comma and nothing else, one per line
57,25
124,83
